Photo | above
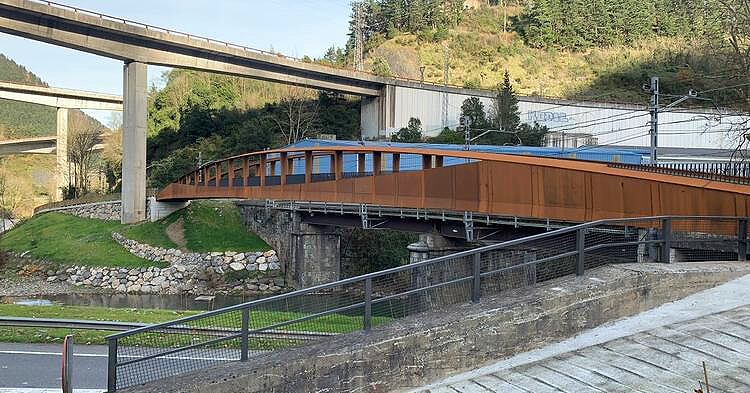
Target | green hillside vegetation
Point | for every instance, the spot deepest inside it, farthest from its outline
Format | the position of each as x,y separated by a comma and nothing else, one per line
552,48
214,116
205,226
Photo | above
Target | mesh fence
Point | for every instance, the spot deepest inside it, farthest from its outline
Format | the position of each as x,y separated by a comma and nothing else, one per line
240,332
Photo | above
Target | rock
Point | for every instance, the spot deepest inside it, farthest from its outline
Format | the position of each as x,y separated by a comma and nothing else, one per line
269,253
252,267
260,260
272,259
180,268
263,287
262,267
51,278
274,266
237,266
230,253
239,257
134,288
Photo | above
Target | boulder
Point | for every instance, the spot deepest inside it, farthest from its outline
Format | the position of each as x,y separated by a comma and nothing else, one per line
237,266
269,253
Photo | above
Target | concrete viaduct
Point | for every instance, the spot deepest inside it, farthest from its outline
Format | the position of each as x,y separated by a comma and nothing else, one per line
138,45
63,100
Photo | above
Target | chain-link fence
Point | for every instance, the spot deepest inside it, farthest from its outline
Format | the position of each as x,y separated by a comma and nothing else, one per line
239,332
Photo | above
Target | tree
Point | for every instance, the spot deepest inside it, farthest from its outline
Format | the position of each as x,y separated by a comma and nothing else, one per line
532,135
82,157
412,133
450,137
506,115
473,109
10,201
297,115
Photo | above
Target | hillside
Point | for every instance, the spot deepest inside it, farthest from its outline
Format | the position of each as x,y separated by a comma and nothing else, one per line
19,119
31,176
481,49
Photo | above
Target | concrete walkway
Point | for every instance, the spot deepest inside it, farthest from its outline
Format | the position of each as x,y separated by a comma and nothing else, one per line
660,350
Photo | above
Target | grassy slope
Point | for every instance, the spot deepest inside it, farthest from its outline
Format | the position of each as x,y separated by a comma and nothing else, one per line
209,226
333,323
66,239
218,226
480,52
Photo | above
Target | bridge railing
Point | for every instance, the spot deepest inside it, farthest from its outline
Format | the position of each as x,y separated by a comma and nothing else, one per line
242,331
738,173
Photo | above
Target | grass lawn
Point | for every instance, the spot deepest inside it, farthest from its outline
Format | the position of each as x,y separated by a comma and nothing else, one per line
62,238
153,233
218,226
334,323
56,237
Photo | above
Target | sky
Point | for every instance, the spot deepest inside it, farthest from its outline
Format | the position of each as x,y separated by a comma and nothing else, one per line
292,27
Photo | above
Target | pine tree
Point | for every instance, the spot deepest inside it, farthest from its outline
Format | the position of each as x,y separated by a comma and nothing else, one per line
507,115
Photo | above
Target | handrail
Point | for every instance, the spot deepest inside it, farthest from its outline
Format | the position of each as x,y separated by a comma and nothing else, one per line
612,234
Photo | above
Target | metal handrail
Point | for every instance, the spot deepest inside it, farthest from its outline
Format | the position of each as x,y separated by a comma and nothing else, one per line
676,171
581,232
491,247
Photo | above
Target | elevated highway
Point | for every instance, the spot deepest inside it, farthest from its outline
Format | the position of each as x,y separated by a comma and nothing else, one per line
460,181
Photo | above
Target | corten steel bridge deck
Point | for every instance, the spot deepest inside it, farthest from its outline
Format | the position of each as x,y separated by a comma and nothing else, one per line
470,182
240,332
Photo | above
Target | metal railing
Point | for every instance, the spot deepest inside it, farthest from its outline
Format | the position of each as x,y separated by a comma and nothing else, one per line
360,303
738,173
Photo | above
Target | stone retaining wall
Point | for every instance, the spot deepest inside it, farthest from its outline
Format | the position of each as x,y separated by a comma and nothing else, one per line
251,273
109,211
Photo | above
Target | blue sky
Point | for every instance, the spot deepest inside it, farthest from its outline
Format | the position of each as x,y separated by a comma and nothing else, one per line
293,27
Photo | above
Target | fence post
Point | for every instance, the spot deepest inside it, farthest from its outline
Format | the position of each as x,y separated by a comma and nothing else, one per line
476,287
742,239
112,365
244,338
581,249
666,237
368,305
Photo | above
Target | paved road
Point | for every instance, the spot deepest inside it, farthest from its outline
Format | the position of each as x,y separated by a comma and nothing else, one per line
32,367
661,350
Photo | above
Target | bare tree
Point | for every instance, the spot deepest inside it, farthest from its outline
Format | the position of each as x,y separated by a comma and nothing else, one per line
82,157
10,201
298,114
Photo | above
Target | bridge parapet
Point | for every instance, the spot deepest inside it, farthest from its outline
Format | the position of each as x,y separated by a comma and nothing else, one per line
462,181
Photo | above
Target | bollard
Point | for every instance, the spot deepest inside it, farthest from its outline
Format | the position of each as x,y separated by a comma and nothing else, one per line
66,370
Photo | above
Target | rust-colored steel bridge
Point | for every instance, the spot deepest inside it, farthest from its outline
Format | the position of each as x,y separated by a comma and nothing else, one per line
460,181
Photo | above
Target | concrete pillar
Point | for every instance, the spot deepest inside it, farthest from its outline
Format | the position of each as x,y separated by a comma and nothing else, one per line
61,170
378,114
135,99
433,245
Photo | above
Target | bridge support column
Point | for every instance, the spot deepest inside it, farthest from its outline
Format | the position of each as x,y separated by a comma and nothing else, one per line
378,114
61,169
135,100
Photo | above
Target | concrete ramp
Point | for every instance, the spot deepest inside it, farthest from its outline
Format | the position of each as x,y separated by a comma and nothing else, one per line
660,350
411,352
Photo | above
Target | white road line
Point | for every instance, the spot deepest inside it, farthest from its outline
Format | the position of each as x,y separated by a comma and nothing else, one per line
101,355
46,390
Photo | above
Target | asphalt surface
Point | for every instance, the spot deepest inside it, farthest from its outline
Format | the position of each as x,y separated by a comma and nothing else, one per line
28,367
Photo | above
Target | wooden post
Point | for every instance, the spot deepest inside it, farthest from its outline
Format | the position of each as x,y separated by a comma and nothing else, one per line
426,161
217,174
396,162
262,170
308,166
338,160
376,162
284,167
272,170
361,162
245,171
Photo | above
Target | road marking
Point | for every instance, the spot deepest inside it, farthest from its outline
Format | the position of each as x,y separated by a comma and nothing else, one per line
101,355
46,390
